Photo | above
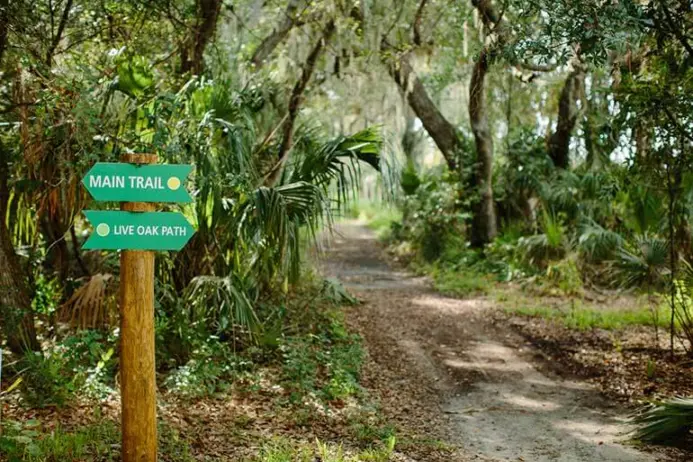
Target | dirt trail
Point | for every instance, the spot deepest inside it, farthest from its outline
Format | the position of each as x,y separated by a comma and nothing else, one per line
480,384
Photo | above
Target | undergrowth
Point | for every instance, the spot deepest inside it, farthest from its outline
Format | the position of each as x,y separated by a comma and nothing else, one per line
582,317
302,355
286,451
31,441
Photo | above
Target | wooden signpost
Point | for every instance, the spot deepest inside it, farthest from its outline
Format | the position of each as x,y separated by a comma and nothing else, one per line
138,230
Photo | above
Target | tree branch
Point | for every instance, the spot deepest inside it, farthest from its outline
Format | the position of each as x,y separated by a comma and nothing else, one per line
295,101
676,31
56,39
417,22
270,43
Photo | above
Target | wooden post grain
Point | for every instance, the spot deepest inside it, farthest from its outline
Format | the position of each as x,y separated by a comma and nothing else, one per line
137,365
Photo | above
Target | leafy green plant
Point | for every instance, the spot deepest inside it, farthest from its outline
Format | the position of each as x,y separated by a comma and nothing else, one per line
335,292
223,303
596,244
47,380
326,363
664,422
642,263
28,441
565,275
550,245
212,368
459,282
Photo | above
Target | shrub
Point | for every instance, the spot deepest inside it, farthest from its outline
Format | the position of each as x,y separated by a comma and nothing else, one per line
47,380
664,422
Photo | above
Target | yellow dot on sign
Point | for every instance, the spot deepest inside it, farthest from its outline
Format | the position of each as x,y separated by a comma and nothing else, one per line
173,183
103,230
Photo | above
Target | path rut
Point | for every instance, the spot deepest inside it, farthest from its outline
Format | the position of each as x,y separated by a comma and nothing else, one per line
494,394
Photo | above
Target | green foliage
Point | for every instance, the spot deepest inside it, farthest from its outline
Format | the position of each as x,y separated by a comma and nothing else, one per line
539,249
597,244
47,294
459,283
664,422
643,263
212,368
431,215
29,441
134,76
285,451
409,180
220,303
83,362
565,275
583,317
47,380
325,363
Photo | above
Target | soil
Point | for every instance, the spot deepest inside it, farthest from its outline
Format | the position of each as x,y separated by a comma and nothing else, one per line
452,370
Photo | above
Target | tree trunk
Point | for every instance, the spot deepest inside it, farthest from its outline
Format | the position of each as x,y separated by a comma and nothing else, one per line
16,317
484,214
642,135
444,134
265,49
568,112
203,31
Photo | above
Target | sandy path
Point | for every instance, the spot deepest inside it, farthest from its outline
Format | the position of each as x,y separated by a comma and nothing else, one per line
493,392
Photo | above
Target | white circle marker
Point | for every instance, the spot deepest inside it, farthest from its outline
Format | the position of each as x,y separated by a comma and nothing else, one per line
103,230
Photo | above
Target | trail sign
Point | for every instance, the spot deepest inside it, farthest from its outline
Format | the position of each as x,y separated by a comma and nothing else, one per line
138,230
121,182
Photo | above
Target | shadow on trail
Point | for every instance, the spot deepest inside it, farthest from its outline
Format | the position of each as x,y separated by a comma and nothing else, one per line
500,402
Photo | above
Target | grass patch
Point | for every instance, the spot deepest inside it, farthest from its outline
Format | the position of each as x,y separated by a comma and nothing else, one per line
458,283
378,216
29,441
581,317
282,450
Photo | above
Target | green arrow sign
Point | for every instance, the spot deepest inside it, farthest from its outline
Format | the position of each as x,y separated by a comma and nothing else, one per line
137,183
138,230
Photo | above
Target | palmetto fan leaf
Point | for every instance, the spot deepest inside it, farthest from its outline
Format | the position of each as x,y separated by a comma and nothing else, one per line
597,243
665,421
645,262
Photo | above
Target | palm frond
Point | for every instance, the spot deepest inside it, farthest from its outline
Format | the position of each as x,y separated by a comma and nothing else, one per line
223,302
665,421
596,243
642,263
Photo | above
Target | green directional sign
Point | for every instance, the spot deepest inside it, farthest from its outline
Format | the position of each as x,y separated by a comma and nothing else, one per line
138,230
138,183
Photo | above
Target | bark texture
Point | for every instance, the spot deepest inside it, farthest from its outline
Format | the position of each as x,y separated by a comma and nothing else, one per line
137,357
484,213
16,317
444,134
192,57
568,114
